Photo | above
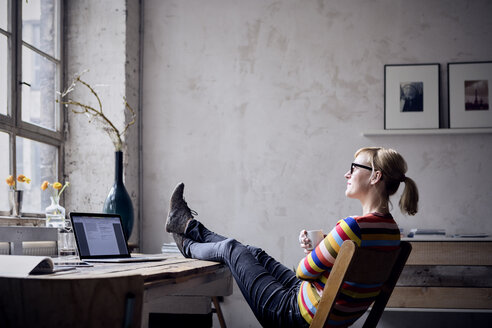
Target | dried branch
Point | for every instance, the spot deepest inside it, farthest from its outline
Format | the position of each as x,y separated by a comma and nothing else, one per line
109,127
134,116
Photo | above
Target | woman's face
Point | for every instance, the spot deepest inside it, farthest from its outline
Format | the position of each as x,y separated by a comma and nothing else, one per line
358,178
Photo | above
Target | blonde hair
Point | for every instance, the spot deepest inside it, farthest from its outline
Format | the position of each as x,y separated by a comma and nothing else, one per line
393,168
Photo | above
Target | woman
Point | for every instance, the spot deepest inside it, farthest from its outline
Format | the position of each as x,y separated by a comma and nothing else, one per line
278,296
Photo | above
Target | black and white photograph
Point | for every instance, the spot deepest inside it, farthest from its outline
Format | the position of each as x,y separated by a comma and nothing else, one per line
477,95
411,96
468,93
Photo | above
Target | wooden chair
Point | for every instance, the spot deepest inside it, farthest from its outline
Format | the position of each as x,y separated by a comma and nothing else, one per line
64,302
364,266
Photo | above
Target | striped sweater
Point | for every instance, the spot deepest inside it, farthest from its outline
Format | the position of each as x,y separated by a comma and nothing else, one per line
373,230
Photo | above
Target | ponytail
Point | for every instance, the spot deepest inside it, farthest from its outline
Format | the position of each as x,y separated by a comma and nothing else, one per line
410,197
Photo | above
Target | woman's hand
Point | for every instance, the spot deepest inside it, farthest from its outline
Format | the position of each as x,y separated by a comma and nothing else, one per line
305,242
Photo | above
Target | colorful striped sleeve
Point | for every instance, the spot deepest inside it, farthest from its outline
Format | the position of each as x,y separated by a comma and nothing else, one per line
323,256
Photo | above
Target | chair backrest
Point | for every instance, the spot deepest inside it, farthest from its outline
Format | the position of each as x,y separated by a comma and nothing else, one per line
64,302
363,266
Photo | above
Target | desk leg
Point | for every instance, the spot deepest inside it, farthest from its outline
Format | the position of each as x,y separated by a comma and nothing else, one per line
218,310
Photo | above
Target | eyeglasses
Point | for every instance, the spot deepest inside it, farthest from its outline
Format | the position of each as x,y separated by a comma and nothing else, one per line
353,165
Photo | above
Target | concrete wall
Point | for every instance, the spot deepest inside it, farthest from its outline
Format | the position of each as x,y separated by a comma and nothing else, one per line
102,38
258,106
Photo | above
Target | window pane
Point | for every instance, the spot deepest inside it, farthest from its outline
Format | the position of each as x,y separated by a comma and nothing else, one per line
4,75
38,99
37,161
5,169
4,14
40,21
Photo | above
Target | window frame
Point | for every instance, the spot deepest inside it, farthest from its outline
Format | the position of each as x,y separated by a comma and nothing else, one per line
12,123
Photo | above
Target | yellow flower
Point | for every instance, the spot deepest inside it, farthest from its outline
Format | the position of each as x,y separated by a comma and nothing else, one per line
23,178
10,181
58,188
45,185
57,185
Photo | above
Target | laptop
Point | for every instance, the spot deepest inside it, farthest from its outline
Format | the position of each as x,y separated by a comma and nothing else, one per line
100,238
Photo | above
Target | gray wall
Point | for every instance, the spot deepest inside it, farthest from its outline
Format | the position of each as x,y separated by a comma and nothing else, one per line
258,107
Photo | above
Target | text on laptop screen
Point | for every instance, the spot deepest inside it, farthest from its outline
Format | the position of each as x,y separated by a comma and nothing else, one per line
100,236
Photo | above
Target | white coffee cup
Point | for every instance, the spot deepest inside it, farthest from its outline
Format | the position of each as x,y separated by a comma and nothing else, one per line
316,236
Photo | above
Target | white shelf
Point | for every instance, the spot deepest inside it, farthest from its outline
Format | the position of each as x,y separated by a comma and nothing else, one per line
445,238
370,133
437,310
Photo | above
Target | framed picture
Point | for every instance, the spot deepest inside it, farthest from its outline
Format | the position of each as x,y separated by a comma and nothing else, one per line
411,96
469,86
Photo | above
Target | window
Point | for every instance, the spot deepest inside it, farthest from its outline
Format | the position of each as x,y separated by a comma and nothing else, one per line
31,122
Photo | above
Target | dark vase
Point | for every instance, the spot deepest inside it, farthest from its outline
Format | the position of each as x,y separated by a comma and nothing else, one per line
118,200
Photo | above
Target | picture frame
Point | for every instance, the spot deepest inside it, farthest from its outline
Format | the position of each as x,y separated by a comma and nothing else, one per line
411,96
469,91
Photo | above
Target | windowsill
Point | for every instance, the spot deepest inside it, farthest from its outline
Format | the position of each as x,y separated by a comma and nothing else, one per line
22,221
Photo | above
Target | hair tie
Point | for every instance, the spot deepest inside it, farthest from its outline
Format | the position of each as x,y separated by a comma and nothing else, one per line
403,178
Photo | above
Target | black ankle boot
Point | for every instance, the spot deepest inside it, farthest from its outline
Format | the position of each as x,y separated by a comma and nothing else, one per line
179,212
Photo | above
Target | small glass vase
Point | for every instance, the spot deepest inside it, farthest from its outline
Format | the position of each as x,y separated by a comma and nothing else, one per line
55,214
55,217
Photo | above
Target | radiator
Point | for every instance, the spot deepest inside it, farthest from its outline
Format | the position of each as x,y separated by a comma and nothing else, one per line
37,248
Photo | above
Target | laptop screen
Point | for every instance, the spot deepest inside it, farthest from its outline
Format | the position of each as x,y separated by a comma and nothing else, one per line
99,235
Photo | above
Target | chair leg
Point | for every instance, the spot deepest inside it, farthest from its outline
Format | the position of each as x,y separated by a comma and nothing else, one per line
217,309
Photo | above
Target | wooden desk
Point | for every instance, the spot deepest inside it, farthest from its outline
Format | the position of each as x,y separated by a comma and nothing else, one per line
446,273
175,285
